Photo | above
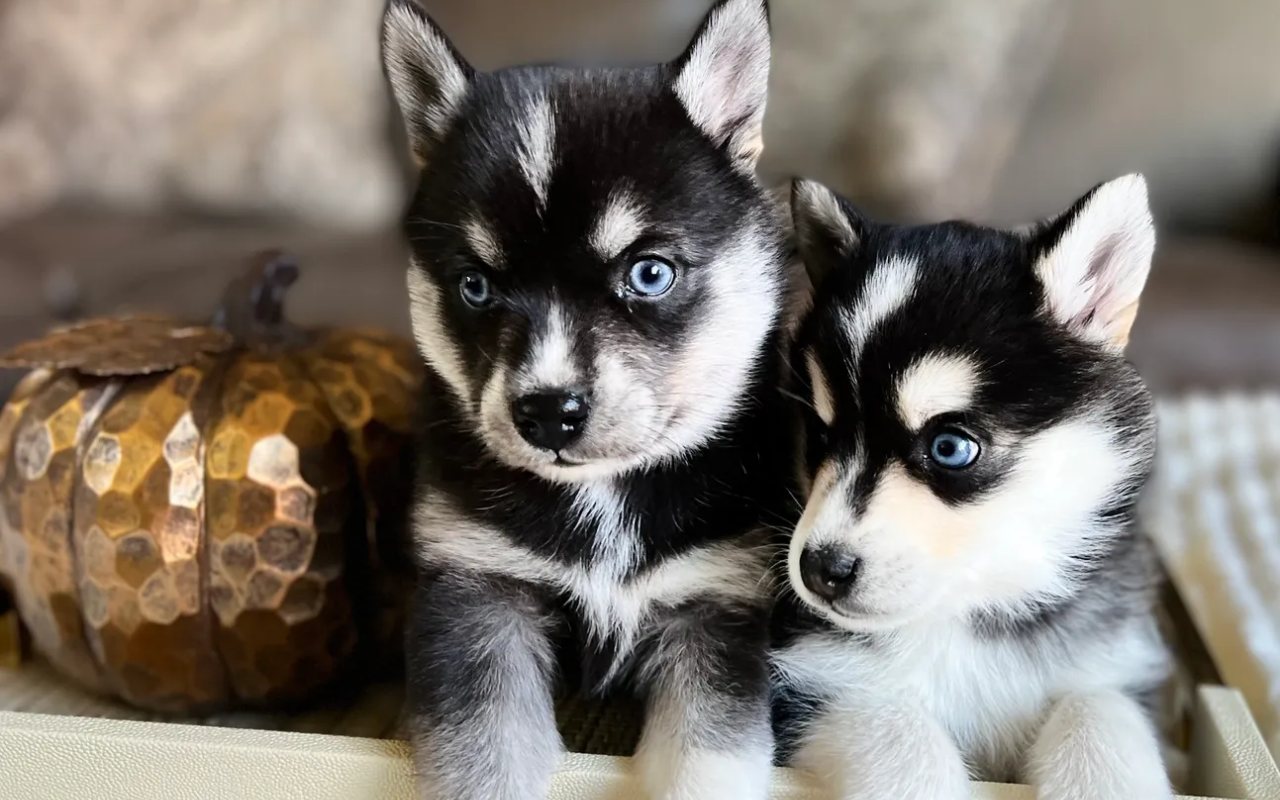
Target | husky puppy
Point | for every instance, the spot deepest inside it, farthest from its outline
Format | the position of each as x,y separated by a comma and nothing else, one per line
596,285
972,598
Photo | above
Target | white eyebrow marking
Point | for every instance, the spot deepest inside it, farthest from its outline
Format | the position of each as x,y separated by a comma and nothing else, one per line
933,385
620,224
823,401
536,153
888,287
482,241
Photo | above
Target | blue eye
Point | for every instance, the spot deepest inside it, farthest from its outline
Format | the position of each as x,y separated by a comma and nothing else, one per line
650,277
953,450
474,288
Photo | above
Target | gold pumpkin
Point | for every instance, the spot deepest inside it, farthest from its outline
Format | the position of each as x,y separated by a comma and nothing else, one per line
196,518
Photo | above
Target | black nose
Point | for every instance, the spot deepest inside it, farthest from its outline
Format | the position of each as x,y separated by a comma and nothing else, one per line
829,572
552,421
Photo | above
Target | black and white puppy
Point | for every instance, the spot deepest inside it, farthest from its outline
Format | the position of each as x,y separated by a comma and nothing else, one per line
596,284
972,598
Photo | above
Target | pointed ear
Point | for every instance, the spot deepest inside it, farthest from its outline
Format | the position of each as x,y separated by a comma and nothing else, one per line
428,77
828,229
723,78
1095,259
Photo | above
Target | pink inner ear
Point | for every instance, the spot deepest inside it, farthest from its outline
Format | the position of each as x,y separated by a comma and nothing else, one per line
1100,278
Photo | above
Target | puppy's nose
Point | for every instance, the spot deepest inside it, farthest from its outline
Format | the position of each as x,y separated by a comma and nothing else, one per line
551,420
829,572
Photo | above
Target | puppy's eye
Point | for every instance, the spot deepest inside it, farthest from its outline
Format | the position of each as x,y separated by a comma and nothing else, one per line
952,449
817,444
475,290
650,277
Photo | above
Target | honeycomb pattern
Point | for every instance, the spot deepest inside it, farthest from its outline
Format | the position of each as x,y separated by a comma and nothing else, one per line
206,537
37,489
139,519
10,521
285,531
371,381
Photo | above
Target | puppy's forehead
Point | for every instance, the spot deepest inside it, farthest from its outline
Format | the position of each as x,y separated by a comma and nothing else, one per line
593,156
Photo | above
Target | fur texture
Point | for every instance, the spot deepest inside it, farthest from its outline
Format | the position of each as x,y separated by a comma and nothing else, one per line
630,556
990,619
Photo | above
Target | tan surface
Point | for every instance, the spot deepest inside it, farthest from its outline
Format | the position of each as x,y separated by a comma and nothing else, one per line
71,757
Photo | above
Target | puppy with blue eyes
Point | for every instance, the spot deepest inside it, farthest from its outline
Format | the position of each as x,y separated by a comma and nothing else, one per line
597,283
971,596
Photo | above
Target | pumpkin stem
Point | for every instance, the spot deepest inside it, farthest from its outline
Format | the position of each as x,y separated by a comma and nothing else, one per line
252,308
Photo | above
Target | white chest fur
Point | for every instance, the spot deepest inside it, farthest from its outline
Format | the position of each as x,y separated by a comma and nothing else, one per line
613,598
989,695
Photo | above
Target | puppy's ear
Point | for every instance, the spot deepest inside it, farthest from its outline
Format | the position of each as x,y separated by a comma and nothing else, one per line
428,77
723,77
1094,260
828,229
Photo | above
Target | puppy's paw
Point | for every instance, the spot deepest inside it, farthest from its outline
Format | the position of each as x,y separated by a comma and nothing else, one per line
1097,747
878,752
703,774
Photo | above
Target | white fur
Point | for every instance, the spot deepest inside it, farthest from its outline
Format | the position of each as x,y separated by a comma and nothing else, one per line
888,288
1097,745
611,605
550,365
483,242
536,154
824,403
670,771
620,223
434,342
989,696
514,727
922,556
1094,275
600,504
935,384
866,749
721,353
411,40
723,83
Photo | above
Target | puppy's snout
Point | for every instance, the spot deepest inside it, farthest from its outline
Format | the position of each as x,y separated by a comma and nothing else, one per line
829,572
550,420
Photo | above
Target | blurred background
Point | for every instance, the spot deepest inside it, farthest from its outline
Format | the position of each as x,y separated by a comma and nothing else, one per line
147,145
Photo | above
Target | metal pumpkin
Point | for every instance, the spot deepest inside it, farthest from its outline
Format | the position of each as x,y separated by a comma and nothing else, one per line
202,517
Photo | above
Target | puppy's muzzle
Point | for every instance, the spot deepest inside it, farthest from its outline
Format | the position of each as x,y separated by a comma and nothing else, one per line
551,420
830,572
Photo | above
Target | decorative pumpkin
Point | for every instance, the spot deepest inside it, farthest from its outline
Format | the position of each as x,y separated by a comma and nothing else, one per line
199,517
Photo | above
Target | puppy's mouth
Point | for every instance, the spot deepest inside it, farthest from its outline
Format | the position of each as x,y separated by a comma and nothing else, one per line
860,617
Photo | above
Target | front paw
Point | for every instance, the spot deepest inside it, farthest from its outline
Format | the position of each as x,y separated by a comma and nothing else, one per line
1097,747
703,774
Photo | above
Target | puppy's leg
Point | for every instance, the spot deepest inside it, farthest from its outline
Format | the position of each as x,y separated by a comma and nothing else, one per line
707,734
479,690
1097,746
866,750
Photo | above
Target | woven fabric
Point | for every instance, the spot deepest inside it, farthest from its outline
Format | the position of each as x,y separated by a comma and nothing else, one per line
1213,509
